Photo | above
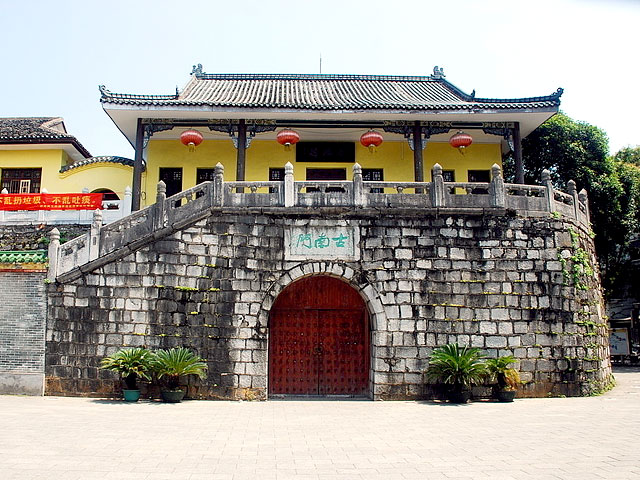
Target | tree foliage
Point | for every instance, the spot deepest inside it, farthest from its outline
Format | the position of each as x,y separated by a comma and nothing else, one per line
576,150
629,155
567,148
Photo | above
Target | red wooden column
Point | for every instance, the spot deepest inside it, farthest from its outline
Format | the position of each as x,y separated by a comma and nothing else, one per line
137,168
517,154
242,151
418,164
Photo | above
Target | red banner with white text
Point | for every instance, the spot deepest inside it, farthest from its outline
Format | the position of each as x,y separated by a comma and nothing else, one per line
50,201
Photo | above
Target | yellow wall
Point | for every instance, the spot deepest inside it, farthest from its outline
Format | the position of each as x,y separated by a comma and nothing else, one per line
172,153
114,176
49,160
480,156
396,158
102,175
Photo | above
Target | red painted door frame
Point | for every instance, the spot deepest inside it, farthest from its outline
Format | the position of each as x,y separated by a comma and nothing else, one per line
319,340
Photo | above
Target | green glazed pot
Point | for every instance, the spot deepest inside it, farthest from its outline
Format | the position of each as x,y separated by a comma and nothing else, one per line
506,395
459,396
172,396
131,395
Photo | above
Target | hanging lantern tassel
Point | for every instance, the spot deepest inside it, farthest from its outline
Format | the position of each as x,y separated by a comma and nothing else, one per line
287,138
461,141
191,138
371,140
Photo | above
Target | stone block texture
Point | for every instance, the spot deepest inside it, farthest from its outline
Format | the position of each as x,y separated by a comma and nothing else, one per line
22,332
33,237
488,281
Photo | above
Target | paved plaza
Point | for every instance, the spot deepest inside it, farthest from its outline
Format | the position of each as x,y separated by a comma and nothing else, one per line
77,438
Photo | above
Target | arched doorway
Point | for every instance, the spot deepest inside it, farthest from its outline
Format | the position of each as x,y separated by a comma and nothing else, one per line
319,339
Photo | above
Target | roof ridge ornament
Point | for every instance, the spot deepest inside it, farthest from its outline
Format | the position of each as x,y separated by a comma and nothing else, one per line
197,70
438,73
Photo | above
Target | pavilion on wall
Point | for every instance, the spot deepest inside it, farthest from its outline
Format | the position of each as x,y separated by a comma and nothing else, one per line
414,116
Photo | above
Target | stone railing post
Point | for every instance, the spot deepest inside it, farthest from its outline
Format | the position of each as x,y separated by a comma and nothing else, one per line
84,214
289,186
54,248
496,189
359,197
549,195
582,196
126,203
571,190
94,235
159,207
218,185
44,215
437,186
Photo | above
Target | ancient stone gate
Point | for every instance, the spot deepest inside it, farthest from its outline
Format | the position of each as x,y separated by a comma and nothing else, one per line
485,265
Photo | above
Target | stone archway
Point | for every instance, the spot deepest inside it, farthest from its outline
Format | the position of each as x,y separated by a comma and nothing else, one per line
319,339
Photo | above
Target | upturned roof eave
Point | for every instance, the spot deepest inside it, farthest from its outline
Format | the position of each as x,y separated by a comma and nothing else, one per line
125,118
264,112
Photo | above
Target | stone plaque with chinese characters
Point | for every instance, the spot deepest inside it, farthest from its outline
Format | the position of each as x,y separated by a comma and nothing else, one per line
322,243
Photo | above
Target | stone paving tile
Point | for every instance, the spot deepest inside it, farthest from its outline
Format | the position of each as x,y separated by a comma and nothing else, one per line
556,439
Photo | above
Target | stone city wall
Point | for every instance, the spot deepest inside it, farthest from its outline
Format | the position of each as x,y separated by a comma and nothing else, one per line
23,301
504,283
22,332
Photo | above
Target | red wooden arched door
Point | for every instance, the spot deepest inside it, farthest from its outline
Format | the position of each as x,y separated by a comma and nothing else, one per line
319,339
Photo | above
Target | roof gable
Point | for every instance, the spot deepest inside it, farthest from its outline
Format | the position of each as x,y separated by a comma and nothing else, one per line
38,130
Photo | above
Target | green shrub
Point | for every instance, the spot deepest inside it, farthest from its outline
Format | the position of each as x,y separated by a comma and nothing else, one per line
177,362
507,377
456,366
131,363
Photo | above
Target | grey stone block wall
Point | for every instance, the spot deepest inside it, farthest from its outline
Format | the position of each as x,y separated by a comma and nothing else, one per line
33,237
490,281
22,331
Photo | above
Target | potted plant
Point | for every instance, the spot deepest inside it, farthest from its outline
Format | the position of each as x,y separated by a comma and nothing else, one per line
131,364
173,364
507,378
457,368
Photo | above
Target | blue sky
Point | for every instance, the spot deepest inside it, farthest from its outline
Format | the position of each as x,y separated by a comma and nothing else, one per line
55,54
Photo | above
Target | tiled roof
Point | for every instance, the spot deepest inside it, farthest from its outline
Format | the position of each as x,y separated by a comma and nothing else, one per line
25,256
37,130
102,159
327,92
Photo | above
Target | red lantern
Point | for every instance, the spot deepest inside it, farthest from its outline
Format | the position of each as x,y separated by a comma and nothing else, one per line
287,138
371,140
191,138
461,141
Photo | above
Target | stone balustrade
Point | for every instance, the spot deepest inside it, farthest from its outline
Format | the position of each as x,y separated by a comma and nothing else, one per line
167,215
113,210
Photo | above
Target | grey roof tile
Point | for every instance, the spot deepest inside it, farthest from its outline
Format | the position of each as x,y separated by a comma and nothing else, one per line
327,92
102,159
37,130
